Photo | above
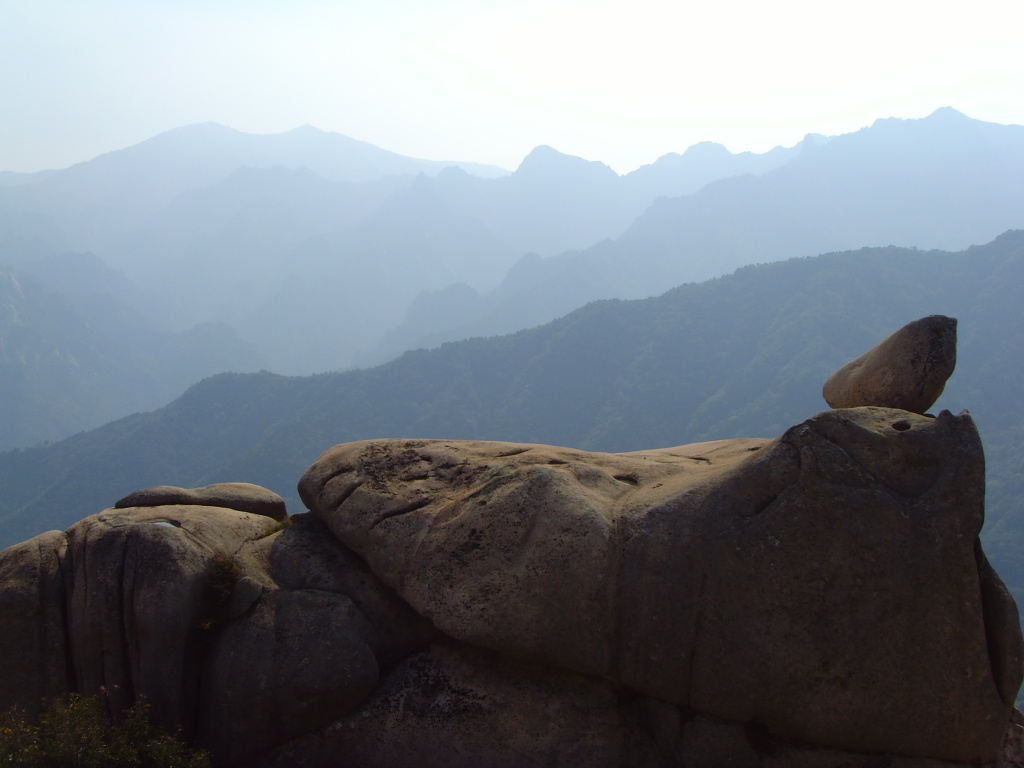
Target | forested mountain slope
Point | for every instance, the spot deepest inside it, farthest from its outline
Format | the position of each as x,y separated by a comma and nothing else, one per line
71,361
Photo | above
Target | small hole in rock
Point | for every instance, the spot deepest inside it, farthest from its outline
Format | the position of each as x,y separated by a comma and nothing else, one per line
901,426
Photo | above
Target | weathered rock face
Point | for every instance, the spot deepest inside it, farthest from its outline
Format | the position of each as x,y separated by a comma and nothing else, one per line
816,600
452,706
907,370
307,631
240,632
824,585
142,594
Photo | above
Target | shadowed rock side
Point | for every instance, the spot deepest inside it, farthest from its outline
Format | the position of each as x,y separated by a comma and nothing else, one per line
243,633
33,643
816,600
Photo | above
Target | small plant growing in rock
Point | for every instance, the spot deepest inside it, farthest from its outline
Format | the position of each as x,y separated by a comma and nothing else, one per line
221,579
77,733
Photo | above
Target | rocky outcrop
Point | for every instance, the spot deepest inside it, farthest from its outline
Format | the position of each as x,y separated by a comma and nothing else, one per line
820,599
239,631
824,585
455,706
907,370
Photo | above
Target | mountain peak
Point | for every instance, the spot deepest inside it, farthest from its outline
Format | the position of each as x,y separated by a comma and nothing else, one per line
943,116
707,149
545,163
947,113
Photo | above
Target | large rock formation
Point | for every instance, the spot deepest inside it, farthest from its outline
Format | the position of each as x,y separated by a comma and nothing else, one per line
825,585
820,599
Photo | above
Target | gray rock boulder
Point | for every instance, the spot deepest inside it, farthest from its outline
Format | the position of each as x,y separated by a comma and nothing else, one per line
297,660
454,706
240,631
907,370
307,631
144,588
244,497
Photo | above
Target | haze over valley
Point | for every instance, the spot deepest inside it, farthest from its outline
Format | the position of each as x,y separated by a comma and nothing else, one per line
205,249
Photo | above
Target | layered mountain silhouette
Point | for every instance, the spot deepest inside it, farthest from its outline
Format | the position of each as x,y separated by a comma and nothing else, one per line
742,355
310,245
324,253
945,181
96,201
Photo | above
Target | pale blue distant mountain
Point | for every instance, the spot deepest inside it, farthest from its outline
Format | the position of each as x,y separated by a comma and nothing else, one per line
325,253
674,174
14,178
100,200
26,235
309,243
945,181
313,270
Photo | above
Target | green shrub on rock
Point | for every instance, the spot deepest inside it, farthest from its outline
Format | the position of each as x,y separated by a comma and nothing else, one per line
77,733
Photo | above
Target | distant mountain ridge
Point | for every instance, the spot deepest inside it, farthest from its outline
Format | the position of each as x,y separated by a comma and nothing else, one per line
944,181
99,200
314,272
309,244
215,225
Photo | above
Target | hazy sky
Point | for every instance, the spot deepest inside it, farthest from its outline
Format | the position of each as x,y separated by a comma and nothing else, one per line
622,81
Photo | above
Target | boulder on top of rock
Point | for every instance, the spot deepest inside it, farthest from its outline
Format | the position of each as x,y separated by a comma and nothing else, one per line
908,370
244,497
